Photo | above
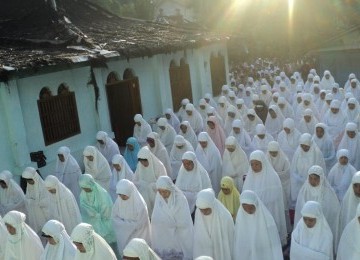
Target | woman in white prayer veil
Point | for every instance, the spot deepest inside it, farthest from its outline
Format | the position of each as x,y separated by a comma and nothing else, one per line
352,110
106,146
325,144
327,80
171,223
242,137
335,120
326,106
222,107
262,138
231,115
265,182
307,154
129,215
351,141
274,121
90,245
350,239
121,170
248,97
139,249
349,203
181,146
181,112
202,110
192,178
166,133
312,238
309,82
347,83
285,108
241,107
66,209
321,100
194,118
172,119
213,228
158,149
256,234
281,165
210,100
317,188
297,102
68,171
235,162
306,103
59,245
344,104
141,129
39,207
307,122
22,242
251,121
209,156
211,111
148,170
12,196
188,133
3,238
341,174
97,166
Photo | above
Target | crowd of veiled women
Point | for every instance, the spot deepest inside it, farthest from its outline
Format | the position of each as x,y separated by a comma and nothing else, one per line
234,177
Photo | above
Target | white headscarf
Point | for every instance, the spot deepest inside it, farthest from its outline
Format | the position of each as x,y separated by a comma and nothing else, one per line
95,246
229,119
258,143
171,224
66,209
64,248
191,182
307,127
286,110
251,125
326,146
274,125
181,145
281,165
138,248
3,238
39,206
312,243
350,240
25,244
243,138
267,185
167,135
141,132
352,114
109,148
99,168
222,110
194,119
340,176
335,122
301,163
256,235
352,144
210,158
68,172
348,205
235,164
145,177
174,120
289,142
160,152
130,217
214,233
326,83
323,193
189,134
13,197
124,173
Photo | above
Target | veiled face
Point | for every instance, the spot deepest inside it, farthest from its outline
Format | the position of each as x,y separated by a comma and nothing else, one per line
256,166
188,165
164,193
10,229
3,184
183,128
351,134
90,158
206,212
80,247
356,189
61,157
272,114
168,116
117,167
123,197
309,222
249,208
305,147
343,160
314,180
203,144
319,132
211,124
251,117
273,153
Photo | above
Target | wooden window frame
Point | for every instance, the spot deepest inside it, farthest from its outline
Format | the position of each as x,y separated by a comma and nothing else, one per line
59,117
